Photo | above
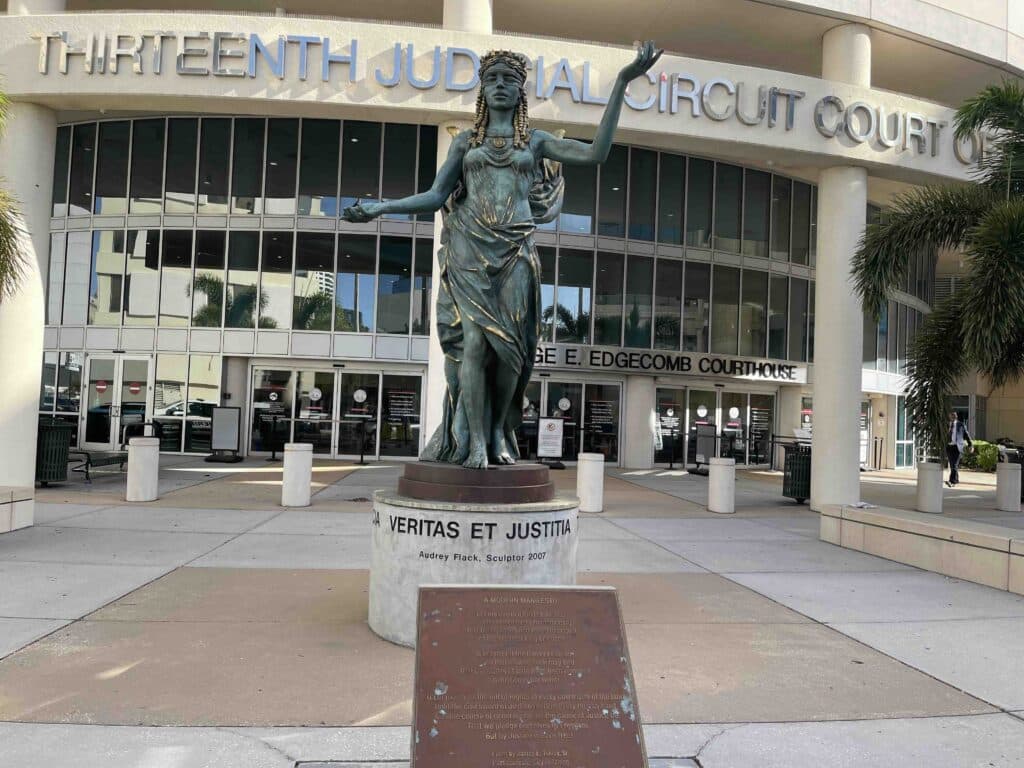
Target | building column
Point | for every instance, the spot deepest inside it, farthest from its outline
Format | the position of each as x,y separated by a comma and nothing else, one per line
31,7
838,318
469,16
638,398
26,160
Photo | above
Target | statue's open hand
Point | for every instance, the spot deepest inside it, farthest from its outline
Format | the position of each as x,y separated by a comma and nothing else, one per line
646,57
361,212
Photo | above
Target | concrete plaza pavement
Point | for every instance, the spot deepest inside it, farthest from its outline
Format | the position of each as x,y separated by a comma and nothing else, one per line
212,627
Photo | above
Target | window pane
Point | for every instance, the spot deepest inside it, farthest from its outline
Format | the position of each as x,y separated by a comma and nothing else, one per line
208,288
276,280
247,166
393,285
725,305
643,177
869,344
778,314
83,156
76,278
810,323
696,306
782,190
400,416
901,347
354,284
728,188
182,137
699,190
575,278
314,281
69,382
360,162
547,292
55,277
752,313
61,160
106,277
112,168
668,304
801,222
578,205
282,157
422,294
203,394
169,398
756,210
318,175
798,319
147,166
814,226
399,180
243,274
48,382
883,340
176,278
427,165
142,275
608,299
612,200
639,300
893,341
671,184
214,155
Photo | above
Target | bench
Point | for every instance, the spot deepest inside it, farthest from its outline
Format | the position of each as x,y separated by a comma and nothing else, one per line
94,459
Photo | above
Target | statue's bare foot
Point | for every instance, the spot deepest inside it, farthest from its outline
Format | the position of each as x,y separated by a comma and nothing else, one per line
477,458
499,448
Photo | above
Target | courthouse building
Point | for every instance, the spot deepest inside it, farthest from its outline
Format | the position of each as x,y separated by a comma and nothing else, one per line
182,174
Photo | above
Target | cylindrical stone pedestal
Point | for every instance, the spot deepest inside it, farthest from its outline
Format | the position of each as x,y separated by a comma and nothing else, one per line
590,481
298,475
1008,487
722,486
419,542
143,469
929,487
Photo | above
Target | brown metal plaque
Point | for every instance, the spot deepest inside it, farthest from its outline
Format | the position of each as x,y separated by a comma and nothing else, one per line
523,678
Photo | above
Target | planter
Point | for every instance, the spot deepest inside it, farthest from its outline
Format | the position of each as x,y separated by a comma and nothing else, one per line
929,487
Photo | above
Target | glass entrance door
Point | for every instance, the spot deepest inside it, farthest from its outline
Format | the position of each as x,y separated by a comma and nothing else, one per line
272,396
314,410
117,395
701,420
590,412
670,405
733,409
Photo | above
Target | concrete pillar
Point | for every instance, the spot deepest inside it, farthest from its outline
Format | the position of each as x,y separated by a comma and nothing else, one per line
143,482
30,7
1008,487
590,481
296,486
26,163
638,424
469,16
842,206
929,487
722,486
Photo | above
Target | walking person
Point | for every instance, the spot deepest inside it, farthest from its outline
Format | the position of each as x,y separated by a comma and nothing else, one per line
958,435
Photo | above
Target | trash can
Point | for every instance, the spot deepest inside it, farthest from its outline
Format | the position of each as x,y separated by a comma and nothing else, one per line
1014,456
796,472
52,451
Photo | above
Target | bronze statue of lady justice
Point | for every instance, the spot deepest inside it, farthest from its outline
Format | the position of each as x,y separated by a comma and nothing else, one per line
499,181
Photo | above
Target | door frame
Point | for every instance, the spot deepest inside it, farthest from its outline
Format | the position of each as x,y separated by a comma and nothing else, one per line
581,424
115,418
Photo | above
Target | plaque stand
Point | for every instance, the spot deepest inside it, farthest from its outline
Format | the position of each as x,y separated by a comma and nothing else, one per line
451,525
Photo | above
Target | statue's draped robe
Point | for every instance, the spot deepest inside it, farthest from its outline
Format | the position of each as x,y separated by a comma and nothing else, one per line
490,276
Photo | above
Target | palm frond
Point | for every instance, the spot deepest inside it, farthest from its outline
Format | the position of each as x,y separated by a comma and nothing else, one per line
13,258
998,108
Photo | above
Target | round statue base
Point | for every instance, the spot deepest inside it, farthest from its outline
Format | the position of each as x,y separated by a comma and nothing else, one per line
417,542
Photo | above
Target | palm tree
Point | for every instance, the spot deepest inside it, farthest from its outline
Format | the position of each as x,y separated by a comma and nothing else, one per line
981,326
12,255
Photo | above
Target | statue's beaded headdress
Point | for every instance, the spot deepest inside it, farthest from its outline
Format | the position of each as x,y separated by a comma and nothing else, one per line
520,120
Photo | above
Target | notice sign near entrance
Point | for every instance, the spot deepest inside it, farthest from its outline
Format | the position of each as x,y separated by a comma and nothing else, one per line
101,387
134,387
523,678
549,438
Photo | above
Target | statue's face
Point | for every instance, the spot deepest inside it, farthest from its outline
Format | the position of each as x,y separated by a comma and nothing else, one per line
501,87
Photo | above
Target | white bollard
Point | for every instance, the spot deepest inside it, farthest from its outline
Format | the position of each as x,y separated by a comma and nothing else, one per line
929,487
722,486
590,481
143,469
298,475
1008,487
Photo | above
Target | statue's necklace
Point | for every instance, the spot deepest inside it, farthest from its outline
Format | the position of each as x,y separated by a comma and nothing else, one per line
498,142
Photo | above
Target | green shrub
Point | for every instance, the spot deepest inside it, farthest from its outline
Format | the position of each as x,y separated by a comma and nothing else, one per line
983,458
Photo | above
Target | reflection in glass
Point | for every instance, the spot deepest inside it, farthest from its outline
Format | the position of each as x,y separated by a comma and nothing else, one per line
276,281
639,300
357,427
271,409
725,305
78,259
643,180
247,166
801,222
778,313
318,172
700,184
360,162
282,160
427,164
781,205
394,285
869,343
314,281
203,395
208,288
578,204
734,427
106,275
399,177
99,399
572,307
240,300
810,322
728,189
169,399
669,433
147,172
668,303
547,292
354,283
421,290
696,306
762,420
400,415
182,139
214,157
132,397
314,409
48,382
756,212
176,278
69,382
611,215
608,299
601,420
61,160
813,237
142,277
798,319
671,183
752,313
702,410
83,157
112,168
